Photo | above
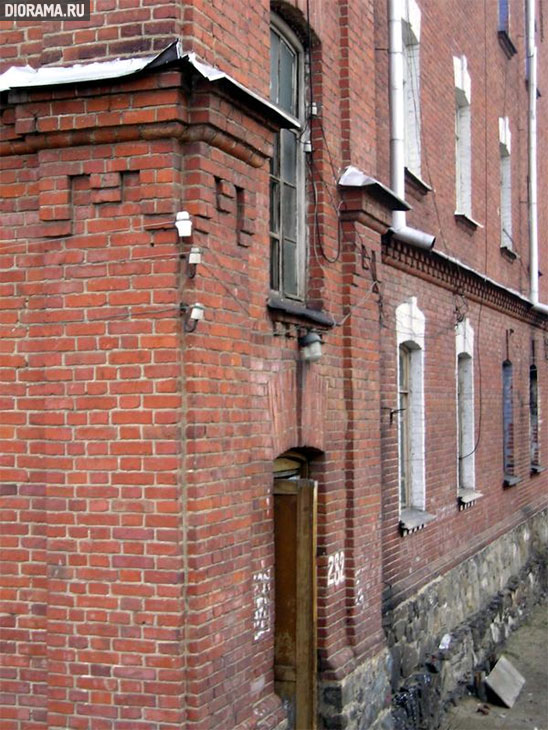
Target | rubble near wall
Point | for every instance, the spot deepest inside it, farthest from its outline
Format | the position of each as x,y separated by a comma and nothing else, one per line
438,639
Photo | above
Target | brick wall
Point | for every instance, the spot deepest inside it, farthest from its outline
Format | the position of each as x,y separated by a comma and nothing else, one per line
416,558
136,458
92,415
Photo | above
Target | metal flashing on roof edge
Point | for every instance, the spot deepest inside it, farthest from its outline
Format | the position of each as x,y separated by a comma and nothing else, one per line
26,77
354,177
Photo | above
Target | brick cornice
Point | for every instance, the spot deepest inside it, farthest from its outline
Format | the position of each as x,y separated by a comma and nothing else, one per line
32,143
430,266
203,112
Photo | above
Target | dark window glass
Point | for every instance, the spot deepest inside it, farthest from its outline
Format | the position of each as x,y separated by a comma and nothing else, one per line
533,416
286,170
508,418
275,263
290,267
289,156
274,206
503,15
289,212
287,74
404,423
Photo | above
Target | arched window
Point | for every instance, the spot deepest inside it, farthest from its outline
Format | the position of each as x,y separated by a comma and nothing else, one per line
287,166
465,409
463,137
411,25
505,184
410,407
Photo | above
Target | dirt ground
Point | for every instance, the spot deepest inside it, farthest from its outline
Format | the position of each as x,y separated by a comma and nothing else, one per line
527,650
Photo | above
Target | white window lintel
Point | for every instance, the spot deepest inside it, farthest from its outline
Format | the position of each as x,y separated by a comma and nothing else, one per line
465,338
412,22
463,83
410,323
505,136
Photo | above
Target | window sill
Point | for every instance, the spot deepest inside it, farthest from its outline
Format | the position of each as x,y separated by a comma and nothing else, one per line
467,498
510,480
279,307
508,253
537,469
467,221
413,520
416,182
506,43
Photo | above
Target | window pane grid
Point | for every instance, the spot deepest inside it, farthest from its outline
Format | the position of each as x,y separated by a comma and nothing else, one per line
508,418
533,416
404,418
286,169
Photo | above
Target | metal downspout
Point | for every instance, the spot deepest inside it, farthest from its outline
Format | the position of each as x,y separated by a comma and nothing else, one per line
532,159
400,230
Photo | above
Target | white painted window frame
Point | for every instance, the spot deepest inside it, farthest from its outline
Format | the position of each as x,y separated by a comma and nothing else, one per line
411,30
506,239
464,369
463,137
410,332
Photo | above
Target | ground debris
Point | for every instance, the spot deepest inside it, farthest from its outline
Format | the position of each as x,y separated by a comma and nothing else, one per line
505,681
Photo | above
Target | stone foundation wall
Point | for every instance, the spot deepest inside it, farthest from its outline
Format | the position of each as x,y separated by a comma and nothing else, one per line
470,611
361,700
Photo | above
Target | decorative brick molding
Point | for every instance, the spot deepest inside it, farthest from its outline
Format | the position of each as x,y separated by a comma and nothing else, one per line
447,273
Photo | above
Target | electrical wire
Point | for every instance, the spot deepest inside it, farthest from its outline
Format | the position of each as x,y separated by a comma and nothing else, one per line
223,284
93,320
356,305
113,262
317,242
47,240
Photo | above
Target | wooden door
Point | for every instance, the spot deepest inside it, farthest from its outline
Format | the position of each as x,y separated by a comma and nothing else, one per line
295,596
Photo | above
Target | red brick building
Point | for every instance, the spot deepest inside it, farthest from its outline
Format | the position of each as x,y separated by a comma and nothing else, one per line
318,499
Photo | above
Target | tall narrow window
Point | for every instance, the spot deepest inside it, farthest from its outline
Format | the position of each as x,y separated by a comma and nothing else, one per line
463,137
505,184
534,440
411,23
404,429
504,15
465,448
465,411
287,204
410,409
508,423
504,28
